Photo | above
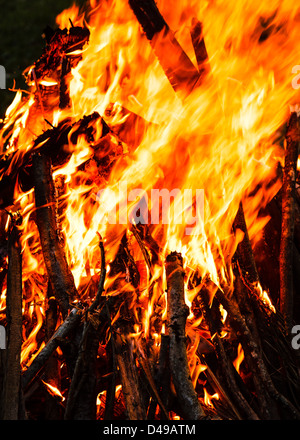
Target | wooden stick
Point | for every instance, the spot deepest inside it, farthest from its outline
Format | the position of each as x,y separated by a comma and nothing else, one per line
144,363
81,403
162,379
244,251
111,389
257,364
52,366
287,226
267,409
227,370
12,377
59,273
177,313
39,361
97,299
129,378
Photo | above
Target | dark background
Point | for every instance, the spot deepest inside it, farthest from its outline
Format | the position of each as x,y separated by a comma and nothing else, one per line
22,23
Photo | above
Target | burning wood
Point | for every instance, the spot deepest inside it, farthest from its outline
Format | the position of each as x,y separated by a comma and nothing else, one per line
150,322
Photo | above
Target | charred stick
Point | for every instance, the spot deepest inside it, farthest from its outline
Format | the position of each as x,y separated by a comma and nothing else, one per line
152,386
288,215
96,301
244,251
228,371
69,324
12,376
215,383
255,359
64,98
129,378
199,47
59,273
179,69
111,389
52,366
142,247
177,313
162,379
267,408
81,403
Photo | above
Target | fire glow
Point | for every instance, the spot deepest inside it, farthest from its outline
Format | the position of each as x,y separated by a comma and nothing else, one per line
101,168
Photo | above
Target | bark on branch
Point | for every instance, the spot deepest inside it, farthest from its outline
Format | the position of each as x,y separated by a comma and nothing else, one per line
59,273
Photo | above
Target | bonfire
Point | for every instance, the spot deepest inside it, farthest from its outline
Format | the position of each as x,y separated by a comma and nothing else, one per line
150,232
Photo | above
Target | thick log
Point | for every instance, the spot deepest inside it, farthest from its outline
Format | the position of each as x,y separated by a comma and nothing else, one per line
12,376
287,226
59,273
177,313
